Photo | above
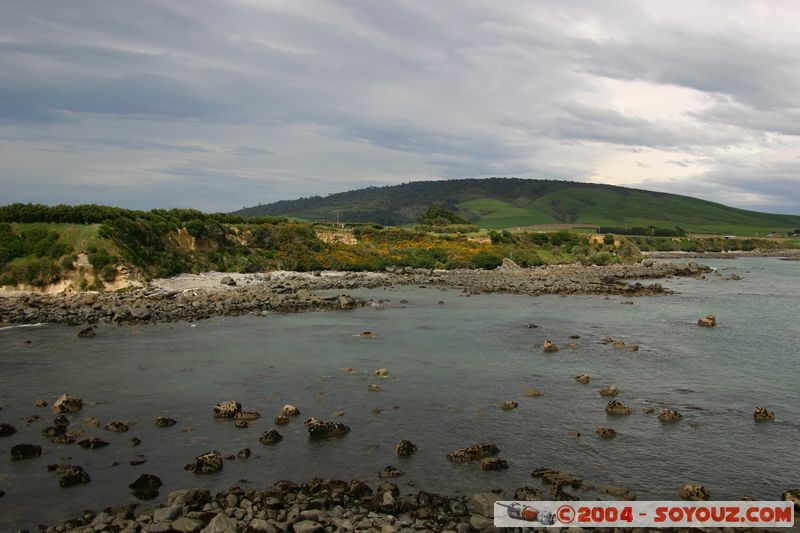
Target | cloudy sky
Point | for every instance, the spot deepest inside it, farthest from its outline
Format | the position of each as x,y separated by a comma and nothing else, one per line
224,104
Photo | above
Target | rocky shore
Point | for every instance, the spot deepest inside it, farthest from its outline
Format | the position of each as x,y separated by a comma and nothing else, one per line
788,254
195,297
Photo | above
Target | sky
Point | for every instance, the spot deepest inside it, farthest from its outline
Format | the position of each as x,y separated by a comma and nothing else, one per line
218,105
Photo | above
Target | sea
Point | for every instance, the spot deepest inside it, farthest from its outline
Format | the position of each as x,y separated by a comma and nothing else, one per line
452,360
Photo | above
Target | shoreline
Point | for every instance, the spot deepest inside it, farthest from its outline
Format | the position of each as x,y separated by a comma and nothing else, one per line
785,254
190,297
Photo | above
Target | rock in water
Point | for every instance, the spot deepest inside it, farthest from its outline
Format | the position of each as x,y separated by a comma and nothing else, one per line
67,404
494,463
606,433
247,415
557,477
373,388
550,347
318,429
117,427
509,405
583,379
610,390
6,430
165,422
87,332
146,486
533,393
92,443
669,415
390,471
207,463
762,414
270,437
281,420
405,448
707,321
227,409
71,475
25,451
473,453
290,410
692,491
616,408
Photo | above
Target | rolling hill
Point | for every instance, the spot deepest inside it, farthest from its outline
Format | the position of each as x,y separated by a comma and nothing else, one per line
495,203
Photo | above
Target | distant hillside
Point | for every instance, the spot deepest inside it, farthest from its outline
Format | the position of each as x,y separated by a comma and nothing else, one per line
512,202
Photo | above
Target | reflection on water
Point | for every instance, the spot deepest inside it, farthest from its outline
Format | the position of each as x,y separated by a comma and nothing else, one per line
450,365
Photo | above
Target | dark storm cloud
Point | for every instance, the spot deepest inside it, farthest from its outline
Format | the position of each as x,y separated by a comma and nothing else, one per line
287,99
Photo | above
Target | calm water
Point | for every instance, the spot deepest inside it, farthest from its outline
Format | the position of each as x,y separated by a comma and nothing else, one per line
453,363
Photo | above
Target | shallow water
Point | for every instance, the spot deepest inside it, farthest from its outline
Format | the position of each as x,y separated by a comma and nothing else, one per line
452,365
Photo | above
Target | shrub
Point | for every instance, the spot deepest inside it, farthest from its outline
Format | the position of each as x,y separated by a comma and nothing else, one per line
486,260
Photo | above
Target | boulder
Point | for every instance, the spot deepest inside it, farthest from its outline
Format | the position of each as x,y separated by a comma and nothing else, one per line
319,429
483,504
117,427
582,378
707,321
494,463
206,463
227,280
6,430
533,393
67,404
184,524
606,433
617,408
221,523
609,390
762,414
669,415
227,409
270,437
405,448
87,333
509,266
165,422
281,420
509,405
25,451
476,452
290,410
794,497
92,443
550,347
390,471
692,491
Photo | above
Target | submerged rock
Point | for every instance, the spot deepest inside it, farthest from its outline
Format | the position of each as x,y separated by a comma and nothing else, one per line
609,390
390,471
617,408
762,414
494,463
318,429
281,420
6,430
669,415
135,441
92,443
583,378
606,433
87,332
476,452
692,491
405,448
557,477
247,415
509,405
25,451
533,393
164,421
70,475
67,404
206,463
381,373
117,427
227,409
241,424
270,437
707,321
373,388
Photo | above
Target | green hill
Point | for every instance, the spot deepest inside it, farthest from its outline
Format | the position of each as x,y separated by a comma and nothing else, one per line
495,203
